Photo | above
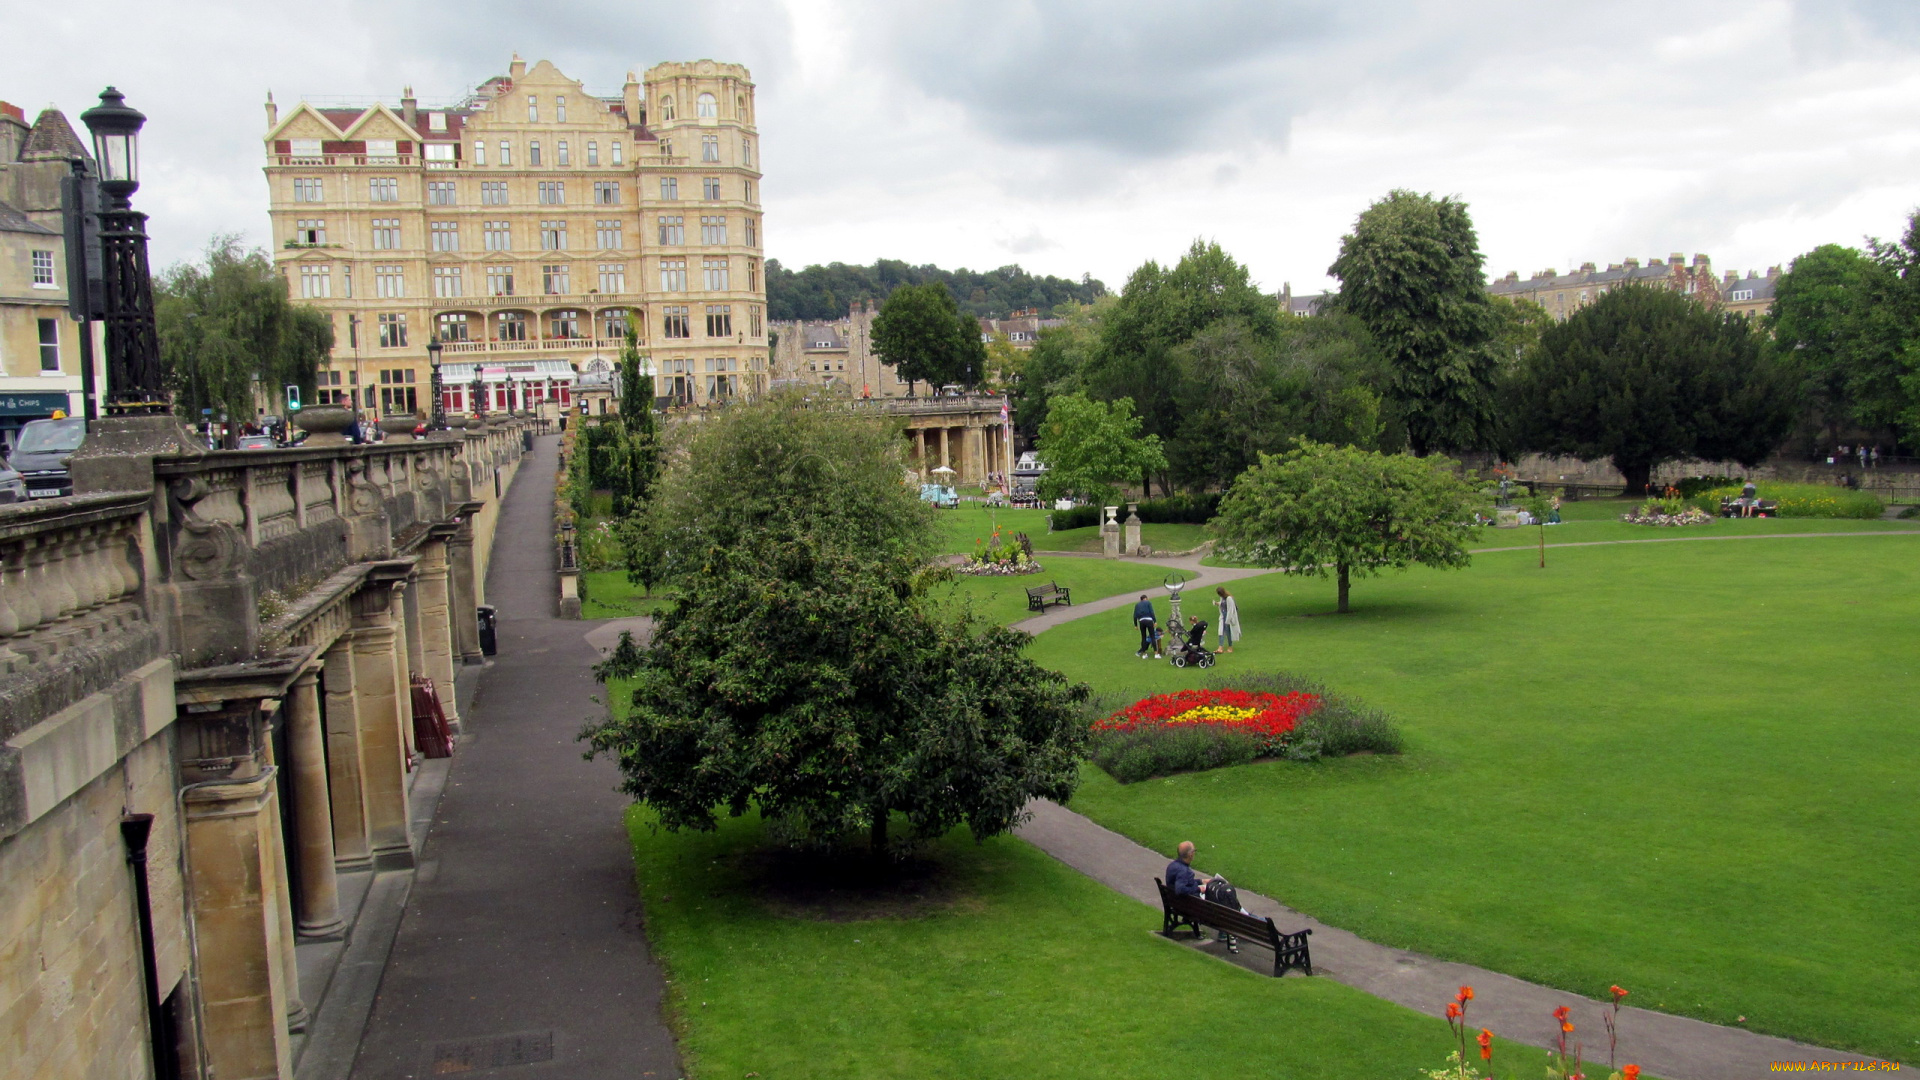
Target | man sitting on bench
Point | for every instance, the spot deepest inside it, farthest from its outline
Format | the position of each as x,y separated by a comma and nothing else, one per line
1182,880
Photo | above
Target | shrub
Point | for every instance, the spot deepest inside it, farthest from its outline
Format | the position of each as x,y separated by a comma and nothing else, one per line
1172,510
1145,753
1802,500
1694,485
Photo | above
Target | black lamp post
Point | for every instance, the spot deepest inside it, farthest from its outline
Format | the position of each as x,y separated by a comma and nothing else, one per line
439,413
513,400
477,390
134,382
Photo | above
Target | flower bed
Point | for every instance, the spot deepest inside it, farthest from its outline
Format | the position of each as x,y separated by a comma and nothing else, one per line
1255,717
978,568
1802,500
1667,513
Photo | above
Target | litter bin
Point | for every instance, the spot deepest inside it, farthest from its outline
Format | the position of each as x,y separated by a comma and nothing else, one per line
488,643
526,441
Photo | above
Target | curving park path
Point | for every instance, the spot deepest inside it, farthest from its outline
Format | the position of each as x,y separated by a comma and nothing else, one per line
1664,1045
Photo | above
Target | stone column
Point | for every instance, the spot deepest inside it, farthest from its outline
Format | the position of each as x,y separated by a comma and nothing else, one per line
943,449
1132,542
383,747
436,632
403,651
319,905
296,1009
242,969
463,601
346,780
416,642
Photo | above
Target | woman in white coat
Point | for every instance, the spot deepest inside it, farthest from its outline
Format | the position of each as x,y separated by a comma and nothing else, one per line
1228,624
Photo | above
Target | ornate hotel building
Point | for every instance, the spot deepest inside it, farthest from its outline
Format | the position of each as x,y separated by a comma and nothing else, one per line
528,226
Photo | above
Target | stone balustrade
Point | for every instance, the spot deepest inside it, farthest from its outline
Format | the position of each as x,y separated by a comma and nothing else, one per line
70,574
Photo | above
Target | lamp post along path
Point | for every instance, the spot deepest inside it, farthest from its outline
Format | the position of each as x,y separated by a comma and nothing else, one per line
438,421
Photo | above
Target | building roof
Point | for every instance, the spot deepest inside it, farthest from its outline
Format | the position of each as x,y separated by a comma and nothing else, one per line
822,336
12,220
1307,305
1761,285
52,138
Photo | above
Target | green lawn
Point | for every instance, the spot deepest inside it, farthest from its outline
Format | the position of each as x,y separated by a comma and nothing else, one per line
960,529
611,596
1687,768
1004,599
1021,967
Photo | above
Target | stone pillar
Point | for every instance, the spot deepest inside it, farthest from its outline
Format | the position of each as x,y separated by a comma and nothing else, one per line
943,449
346,780
436,631
403,665
241,962
381,703
1110,533
416,642
1132,542
463,601
306,772
296,1009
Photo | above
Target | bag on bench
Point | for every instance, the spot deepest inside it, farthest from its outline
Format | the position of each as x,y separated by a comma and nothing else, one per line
1220,891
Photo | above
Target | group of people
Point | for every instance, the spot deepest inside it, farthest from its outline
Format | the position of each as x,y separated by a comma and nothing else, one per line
1869,455
1226,625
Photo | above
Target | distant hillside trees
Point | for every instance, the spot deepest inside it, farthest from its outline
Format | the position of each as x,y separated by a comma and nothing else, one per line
824,292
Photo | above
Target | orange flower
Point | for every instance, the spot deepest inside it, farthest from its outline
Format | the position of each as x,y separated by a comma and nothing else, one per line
1465,994
1561,1013
1486,1046
1631,1072
1453,1010
1618,993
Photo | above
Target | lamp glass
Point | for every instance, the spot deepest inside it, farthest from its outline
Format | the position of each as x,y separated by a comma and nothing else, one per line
118,153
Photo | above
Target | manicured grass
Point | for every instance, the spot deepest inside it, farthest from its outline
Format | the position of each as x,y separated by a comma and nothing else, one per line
1686,768
960,529
1004,599
1022,968
611,596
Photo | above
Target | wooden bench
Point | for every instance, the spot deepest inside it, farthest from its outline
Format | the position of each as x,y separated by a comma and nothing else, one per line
1040,596
1289,950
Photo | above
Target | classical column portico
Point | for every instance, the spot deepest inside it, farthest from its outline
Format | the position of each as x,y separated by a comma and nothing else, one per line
346,780
944,459
436,631
464,599
378,678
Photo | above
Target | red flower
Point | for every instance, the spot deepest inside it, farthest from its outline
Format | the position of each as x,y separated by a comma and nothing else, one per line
1618,994
1453,1010
1465,994
1486,1046
1631,1072
1562,1013
1273,714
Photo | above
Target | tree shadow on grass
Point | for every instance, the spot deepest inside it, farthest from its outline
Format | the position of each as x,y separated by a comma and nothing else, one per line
850,885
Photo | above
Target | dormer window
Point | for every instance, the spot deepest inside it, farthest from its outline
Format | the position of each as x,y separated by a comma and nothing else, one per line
708,106
1741,294
437,121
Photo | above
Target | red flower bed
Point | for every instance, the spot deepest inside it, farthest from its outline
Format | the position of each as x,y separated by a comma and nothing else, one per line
1270,715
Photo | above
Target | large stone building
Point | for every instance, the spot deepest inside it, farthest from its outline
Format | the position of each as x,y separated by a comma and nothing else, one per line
40,347
1564,294
838,353
530,220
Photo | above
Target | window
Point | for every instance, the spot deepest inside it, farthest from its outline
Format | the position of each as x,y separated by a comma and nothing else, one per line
1737,295
746,152
564,325
593,152
560,154
740,107
666,151
386,234
396,393
310,231
446,282
753,275
437,121
560,111
445,235
709,148
607,235
533,151
677,324
383,189
346,289
389,281
479,152
316,282
533,111
613,323
613,278
49,344
382,152
719,320
499,281
754,325
666,109
673,275
749,191
710,188
306,148
753,232
393,329
513,326
308,189
556,279
440,192
553,236
713,229
493,193
499,236
670,188
553,193
506,152
616,151
716,274
440,152
606,193
43,270
673,230
452,327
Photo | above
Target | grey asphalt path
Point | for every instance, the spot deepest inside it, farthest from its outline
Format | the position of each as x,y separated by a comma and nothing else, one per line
1198,577
523,932
1664,1045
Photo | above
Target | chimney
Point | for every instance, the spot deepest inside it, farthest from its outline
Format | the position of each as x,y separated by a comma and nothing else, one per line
409,108
1678,258
1587,268
517,68
13,131
1513,276
1773,272
1633,264
273,112
636,107
1613,268
1701,260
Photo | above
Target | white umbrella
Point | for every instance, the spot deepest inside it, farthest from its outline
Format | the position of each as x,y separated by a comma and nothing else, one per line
943,470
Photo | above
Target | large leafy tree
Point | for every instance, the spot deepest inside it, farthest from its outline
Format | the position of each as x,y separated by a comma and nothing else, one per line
1646,375
1411,271
1054,365
1838,318
1090,445
228,330
803,670
1318,509
927,338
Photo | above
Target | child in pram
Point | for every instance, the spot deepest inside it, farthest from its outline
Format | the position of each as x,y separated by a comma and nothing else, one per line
1186,649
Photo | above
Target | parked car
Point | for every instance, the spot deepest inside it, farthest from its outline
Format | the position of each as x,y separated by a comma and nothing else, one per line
13,486
256,442
42,452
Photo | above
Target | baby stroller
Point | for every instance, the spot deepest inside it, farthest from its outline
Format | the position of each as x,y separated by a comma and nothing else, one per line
1189,650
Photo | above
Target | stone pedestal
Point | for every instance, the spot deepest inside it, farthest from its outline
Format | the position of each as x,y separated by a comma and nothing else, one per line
235,895
1110,533
306,774
1132,544
119,451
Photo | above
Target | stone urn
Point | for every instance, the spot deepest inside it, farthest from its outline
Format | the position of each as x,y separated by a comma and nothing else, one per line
398,426
325,425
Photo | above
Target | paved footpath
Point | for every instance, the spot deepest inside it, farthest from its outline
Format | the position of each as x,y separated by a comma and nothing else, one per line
522,939
1663,1044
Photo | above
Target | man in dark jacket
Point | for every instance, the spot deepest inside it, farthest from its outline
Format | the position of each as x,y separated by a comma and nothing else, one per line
1180,875
1143,617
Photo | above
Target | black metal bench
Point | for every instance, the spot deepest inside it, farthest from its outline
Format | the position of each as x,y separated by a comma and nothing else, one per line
1040,596
1289,950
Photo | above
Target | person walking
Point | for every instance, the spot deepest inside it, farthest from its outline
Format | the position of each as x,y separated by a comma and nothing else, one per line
1144,618
1228,623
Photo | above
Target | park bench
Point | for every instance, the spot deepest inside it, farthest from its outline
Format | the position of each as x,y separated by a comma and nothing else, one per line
1289,950
1040,596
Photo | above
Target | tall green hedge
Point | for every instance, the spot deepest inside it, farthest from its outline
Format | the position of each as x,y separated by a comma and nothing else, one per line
1172,510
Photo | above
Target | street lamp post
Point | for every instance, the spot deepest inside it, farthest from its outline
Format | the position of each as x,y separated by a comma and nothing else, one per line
513,397
439,414
134,379
477,390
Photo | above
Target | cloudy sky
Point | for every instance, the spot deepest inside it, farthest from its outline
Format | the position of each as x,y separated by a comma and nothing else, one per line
1086,136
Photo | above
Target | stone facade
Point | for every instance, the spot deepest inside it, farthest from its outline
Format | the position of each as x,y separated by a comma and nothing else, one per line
837,354
530,220
228,656
1563,294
